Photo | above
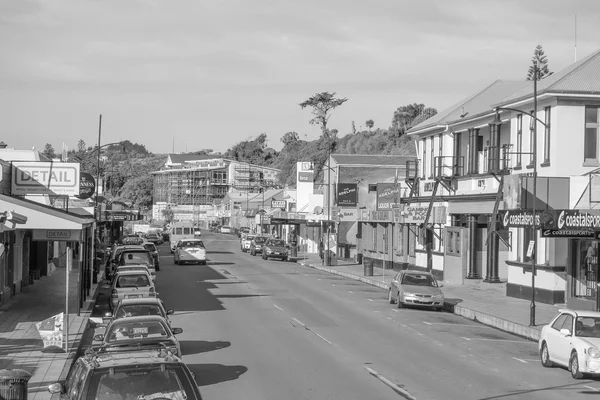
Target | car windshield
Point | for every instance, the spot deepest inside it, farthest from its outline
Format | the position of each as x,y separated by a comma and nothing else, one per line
194,243
137,310
136,258
150,246
260,240
587,327
124,330
129,281
140,382
418,280
273,242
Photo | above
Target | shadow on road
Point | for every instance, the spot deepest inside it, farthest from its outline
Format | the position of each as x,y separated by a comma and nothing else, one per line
210,374
189,347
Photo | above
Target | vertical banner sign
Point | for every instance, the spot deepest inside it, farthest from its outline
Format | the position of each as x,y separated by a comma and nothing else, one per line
347,194
388,196
51,332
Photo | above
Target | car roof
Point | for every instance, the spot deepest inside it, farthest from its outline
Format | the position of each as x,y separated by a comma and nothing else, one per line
121,273
139,318
140,249
140,300
416,272
581,313
128,357
191,240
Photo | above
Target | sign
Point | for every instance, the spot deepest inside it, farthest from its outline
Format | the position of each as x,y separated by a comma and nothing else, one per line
518,218
555,233
388,196
111,215
306,166
57,235
428,187
306,177
347,194
87,186
530,248
207,164
45,178
381,216
51,332
417,214
279,204
349,215
571,220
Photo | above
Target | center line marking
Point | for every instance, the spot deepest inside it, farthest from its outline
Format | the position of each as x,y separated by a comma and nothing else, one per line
299,322
592,388
520,360
370,299
350,291
322,338
277,307
428,323
466,338
394,310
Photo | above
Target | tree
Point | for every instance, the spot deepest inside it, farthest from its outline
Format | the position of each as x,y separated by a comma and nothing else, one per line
49,151
370,123
289,138
541,60
353,128
407,116
322,104
168,215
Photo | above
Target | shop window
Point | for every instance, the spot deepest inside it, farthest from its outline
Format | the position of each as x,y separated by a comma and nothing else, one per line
452,244
585,272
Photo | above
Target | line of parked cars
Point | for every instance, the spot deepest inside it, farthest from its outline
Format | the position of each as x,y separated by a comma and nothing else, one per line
138,355
266,246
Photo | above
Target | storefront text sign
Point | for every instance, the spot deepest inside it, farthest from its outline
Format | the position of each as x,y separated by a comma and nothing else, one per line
518,218
558,233
346,214
347,194
87,186
57,235
388,196
278,204
571,220
381,216
305,176
45,178
417,214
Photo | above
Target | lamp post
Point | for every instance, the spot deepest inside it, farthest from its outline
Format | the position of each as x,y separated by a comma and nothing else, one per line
533,128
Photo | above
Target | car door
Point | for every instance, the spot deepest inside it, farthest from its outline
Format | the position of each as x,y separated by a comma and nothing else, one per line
396,284
559,345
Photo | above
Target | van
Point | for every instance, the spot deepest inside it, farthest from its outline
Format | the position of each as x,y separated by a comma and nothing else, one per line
180,230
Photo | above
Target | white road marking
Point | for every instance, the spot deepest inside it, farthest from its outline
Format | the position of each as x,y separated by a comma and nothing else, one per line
450,323
520,360
299,322
389,318
332,284
497,340
350,291
376,311
370,299
592,388
466,338
404,325
427,323
396,388
322,338
277,307
395,310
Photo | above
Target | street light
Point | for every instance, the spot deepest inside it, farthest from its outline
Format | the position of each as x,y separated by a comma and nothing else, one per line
497,121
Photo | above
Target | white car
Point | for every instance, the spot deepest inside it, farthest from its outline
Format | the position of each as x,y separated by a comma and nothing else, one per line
572,339
131,285
190,250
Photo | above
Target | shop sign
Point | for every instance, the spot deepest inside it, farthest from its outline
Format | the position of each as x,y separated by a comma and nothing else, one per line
348,214
347,194
305,176
381,216
417,214
278,204
57,235
87,186
45,178
558,233
388,196
306,166
518,218
121,216
571,220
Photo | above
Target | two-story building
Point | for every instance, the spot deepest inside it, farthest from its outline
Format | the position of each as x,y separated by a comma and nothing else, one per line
479,164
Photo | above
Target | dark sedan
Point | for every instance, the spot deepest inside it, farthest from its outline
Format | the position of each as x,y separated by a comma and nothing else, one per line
274,248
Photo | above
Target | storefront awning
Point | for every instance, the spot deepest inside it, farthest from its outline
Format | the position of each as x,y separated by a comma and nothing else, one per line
40,216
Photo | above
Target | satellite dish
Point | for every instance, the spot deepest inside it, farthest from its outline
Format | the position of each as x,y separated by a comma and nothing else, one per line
318,210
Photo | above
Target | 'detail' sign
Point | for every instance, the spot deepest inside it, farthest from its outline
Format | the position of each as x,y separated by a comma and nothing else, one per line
347,194
388,196
51,331
45,178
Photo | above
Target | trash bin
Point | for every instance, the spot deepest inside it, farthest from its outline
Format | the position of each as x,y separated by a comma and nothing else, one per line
13,384
368,266
359,258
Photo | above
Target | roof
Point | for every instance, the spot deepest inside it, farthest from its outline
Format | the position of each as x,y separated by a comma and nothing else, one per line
182,158
370,159
138,318
121,273
475,105
141,300
580,77
581,313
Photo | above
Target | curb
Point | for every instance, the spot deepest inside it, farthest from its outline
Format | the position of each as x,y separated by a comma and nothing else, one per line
486,319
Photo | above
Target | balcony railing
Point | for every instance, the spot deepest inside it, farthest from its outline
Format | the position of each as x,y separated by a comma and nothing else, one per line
412,170
448,166
498,159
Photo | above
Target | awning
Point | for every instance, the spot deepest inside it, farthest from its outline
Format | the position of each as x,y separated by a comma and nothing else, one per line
40,216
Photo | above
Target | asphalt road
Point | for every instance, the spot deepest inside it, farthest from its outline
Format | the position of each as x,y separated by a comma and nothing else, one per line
271,330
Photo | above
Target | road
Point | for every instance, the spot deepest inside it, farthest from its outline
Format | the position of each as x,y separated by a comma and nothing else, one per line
270,330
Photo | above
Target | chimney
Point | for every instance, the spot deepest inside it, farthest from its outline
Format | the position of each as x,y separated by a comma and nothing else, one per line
3,145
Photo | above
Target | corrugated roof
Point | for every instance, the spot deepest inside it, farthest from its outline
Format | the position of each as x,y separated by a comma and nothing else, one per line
480,103
370,159
581,77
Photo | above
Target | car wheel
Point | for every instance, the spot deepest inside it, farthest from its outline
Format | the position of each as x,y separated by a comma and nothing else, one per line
545,356
574,366
284,259
390,297
175,261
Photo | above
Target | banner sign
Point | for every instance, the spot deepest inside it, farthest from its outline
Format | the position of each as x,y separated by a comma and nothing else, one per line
557,233
87,186
45,178
57,235
388,196
347,194
51,332
571,220
416,215
518,218
121,216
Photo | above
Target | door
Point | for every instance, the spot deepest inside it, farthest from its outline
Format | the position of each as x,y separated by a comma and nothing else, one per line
559,345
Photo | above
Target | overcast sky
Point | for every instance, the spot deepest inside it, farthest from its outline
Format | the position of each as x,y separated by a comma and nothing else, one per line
211,73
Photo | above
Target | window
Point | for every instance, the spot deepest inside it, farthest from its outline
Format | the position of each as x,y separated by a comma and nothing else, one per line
592,123
423,162
547,135
532,145
432,161
399,239
527,237
519,139
452,244
457,155
568,324
585,271
558,324
475,146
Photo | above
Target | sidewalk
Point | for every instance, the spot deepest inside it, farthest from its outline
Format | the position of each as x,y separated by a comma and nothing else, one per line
21,345
477,300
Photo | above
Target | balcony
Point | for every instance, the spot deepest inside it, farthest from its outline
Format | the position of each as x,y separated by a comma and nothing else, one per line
448,167
498,159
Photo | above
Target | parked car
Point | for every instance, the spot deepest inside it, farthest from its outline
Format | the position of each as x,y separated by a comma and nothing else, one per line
139,332
151,247
137,307
138,257
131,285
154,237
274,248
416,288
113,259
245,242
256,244
190,251
135,268
226,229
138,374
572,340
243,231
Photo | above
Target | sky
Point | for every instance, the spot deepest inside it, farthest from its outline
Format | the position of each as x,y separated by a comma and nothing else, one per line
185,75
